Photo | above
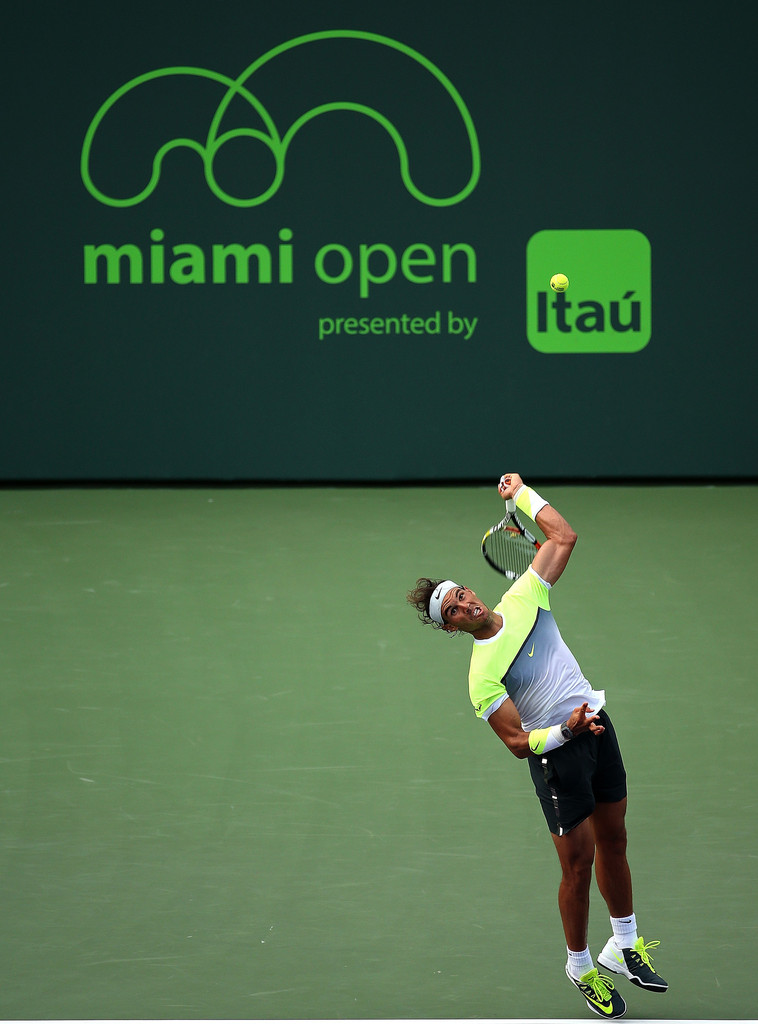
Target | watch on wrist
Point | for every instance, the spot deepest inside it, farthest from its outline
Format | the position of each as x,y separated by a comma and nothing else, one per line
566,733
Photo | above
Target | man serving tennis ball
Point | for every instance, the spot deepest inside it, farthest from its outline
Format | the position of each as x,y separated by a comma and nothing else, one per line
527,684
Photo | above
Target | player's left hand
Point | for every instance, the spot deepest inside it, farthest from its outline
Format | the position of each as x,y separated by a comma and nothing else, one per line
583,719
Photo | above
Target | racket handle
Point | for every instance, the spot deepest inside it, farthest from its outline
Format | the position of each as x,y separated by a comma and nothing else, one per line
510,505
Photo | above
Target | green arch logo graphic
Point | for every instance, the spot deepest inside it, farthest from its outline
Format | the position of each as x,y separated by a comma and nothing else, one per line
277,143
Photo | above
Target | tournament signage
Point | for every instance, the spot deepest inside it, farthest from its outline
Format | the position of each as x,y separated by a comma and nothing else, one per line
270,136
609,311
592,255
362,268
267,245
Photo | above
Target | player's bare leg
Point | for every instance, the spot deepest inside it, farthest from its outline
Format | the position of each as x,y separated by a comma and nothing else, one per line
631,956
614,879
576,852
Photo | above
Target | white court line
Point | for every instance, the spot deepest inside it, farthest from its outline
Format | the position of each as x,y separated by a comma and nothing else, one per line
406,1020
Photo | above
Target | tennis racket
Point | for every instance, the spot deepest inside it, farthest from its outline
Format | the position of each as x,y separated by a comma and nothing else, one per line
509,547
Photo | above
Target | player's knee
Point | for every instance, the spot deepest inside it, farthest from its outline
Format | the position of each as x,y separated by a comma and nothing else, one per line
577,875
612,842
577,866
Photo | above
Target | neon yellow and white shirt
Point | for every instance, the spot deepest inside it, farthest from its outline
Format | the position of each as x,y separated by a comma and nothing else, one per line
528,661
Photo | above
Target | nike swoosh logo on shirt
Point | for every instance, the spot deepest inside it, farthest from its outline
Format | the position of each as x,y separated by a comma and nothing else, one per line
529,655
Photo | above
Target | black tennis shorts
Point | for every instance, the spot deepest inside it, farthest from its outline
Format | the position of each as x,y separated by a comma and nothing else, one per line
571,779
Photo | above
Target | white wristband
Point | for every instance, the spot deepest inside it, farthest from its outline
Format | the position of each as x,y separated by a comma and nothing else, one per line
529,502
555,738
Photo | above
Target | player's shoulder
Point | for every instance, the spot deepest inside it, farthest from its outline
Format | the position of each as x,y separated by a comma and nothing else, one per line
529,580
530,585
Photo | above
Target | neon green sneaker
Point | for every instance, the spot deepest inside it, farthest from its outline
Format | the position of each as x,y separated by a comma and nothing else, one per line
600,994
634,963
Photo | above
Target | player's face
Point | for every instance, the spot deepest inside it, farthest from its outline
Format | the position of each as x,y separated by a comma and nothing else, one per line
463,610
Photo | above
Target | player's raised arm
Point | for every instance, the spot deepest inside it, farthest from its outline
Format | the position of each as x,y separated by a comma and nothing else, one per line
560,538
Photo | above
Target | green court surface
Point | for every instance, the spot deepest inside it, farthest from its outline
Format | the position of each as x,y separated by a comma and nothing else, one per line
238,779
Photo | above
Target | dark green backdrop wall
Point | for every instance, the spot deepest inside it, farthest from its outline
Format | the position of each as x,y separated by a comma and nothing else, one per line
410,174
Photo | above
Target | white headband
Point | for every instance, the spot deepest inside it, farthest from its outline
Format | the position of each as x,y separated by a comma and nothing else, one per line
439,595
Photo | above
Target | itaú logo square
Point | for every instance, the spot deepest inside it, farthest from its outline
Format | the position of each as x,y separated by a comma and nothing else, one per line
607,305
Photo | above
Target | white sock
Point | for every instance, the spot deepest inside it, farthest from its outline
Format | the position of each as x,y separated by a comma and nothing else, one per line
624,931
579,963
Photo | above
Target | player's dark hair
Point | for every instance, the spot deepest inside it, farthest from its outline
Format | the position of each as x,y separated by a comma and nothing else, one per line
420,597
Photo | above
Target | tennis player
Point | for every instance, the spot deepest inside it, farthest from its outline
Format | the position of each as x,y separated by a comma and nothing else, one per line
527,684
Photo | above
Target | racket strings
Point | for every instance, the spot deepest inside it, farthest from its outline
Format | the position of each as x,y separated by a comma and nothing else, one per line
509,551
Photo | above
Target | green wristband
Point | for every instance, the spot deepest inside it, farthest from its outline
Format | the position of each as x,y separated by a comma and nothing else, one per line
537,740
541,741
